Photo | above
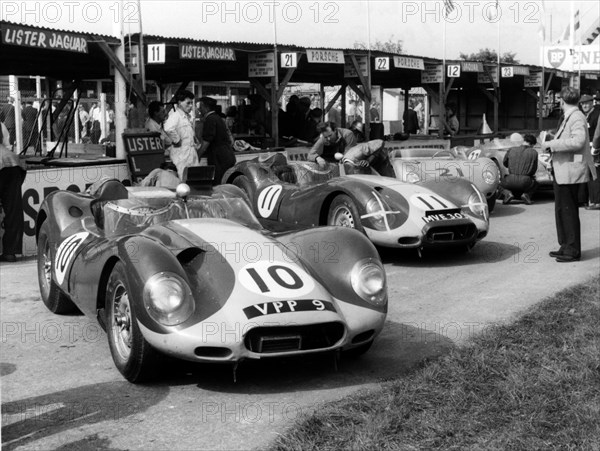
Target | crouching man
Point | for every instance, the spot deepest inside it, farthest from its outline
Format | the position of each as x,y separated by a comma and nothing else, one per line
522,163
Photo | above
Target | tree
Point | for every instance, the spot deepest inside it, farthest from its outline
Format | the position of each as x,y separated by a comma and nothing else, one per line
390,46
490,56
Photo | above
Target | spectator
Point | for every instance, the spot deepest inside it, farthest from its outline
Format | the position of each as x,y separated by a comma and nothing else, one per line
310,133
335,115
155,123
95,128
374,112
410,120
353,113
452,124
592,112
30,130
231,118
594,185
572,163
180,129
12,175
84,121
522,162
8,117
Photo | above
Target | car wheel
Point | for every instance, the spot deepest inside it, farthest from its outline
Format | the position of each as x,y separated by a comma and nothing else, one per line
132,354
343,212
52,296
358,351
491,201
242,182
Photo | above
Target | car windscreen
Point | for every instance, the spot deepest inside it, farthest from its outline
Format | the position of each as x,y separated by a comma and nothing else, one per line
416,153
133,215
126,216
234,209
308,173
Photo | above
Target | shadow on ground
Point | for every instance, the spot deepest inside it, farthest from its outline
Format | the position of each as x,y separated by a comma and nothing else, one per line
483,252
31,419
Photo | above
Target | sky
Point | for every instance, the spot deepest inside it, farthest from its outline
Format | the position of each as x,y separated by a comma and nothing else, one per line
473,25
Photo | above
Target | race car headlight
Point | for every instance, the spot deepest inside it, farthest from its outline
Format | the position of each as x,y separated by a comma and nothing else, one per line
411,177
489,177
368,281
168,299
375,212
478,205
379,213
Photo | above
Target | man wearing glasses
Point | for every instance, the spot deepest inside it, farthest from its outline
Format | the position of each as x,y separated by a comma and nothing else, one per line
331,140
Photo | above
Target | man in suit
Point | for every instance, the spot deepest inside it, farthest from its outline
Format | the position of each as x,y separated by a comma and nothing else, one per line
216,141
572,164
410,120
594,185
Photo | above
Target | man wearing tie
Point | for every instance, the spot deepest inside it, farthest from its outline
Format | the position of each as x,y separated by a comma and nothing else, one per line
572,164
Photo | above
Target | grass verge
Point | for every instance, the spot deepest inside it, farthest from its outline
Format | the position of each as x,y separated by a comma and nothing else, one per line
533,384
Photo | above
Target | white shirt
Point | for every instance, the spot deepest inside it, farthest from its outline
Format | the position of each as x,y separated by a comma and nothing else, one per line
180,129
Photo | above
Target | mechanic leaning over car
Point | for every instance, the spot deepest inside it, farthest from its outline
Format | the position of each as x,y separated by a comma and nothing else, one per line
331,141
522,163
12,175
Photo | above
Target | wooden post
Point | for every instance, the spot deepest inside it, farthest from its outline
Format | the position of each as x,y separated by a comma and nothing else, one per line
442,109
343,113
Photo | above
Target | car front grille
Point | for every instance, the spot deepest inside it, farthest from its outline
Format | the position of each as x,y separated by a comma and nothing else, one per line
451,233
269,340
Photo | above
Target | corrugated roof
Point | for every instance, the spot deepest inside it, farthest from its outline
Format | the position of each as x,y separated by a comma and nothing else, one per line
108,38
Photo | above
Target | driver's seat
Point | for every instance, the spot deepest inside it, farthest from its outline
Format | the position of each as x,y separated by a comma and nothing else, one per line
108,190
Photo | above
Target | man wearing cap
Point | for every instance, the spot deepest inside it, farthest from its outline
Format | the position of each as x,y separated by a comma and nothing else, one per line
591,111
594,185
571,163
590,194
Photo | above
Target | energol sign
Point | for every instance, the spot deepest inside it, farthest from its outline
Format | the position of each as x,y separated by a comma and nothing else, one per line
580,57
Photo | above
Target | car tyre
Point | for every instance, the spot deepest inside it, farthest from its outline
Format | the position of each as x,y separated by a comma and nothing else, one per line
133,356
343,212
52,296
242,182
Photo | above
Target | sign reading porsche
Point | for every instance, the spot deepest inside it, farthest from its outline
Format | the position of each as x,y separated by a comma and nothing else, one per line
580,57
325,56
206,52
43,39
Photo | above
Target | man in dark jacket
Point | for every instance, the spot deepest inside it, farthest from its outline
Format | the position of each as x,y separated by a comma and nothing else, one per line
216,141
522,164
410,120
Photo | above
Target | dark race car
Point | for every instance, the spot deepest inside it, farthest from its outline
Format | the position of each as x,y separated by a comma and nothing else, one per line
198,278
390,212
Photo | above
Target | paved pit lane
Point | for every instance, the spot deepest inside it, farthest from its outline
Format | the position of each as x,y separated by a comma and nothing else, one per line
61,389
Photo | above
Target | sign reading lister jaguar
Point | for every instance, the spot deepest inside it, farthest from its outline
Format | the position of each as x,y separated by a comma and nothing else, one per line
43,39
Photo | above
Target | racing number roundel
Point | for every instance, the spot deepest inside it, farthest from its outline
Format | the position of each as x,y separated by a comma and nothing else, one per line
267,200
276,279
65,254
